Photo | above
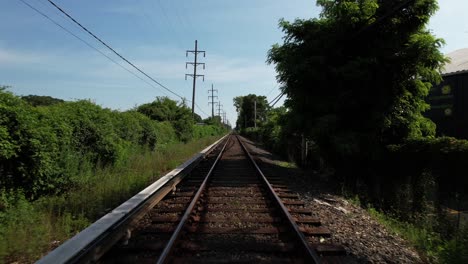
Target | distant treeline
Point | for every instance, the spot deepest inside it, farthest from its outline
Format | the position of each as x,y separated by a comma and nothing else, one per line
45,142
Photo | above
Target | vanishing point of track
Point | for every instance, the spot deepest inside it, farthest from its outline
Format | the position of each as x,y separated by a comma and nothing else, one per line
227,211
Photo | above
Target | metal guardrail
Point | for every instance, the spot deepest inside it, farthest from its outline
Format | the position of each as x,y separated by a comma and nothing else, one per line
95,240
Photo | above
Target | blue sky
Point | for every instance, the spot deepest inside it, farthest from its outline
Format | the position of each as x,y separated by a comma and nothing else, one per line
37,57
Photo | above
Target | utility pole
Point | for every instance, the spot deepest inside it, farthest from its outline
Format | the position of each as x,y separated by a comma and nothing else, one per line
224,117
219,110
255,113
194,75
212,97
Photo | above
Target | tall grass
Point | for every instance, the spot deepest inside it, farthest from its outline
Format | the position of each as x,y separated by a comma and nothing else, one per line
421,236
28,230
424,237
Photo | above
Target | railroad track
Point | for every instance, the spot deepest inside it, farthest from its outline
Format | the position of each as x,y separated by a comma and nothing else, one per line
224,211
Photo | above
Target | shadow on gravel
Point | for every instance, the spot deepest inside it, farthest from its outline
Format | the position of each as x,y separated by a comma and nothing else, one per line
298,180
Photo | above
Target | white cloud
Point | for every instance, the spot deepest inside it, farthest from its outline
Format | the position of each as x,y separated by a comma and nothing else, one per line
10,57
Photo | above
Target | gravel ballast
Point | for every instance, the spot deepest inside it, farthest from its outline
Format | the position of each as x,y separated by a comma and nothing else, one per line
351,226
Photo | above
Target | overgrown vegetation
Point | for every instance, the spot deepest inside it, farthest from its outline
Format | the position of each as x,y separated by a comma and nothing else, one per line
251,110
64,164
425,238
356,80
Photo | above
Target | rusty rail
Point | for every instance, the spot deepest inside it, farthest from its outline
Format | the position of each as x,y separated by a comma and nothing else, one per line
169,246
310,252
91,243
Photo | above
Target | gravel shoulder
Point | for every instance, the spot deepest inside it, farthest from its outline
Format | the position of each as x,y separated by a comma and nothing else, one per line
351,226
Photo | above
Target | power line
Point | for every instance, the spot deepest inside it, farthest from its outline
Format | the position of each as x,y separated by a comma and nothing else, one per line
115,52
275,98
47,6
85,42
201,110
272,90
278,99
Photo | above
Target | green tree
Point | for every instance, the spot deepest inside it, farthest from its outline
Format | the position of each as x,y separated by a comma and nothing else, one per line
245,107
165,109
38,100
216,120
197,118
356,77
28,149
273,130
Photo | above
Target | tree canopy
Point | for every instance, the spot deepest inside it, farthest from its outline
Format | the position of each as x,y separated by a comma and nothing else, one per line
165,109
245,107
38,100
356,77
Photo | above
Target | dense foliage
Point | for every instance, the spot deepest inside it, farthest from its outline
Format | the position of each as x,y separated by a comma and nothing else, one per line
165,109
432,170
356,77
45,142
248,108
37,100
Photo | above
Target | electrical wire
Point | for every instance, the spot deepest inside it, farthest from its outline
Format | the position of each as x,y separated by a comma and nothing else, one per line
281,95
199,108
272,89
110,48
275,99
96,49
86,43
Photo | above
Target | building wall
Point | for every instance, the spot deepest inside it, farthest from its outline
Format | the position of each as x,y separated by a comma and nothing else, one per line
449,106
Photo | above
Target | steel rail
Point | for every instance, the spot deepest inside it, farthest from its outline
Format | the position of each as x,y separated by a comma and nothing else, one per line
311,253
91,243
163,258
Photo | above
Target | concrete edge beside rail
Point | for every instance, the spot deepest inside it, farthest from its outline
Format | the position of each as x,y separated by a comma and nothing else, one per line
74,247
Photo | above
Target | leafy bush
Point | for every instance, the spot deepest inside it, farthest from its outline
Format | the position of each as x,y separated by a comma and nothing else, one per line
28,149
418,162
25,230
94,130
201,131
45,143
42,148
36,100
166,133
424,238
137,129
165,109
63,164
455,251
276,134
